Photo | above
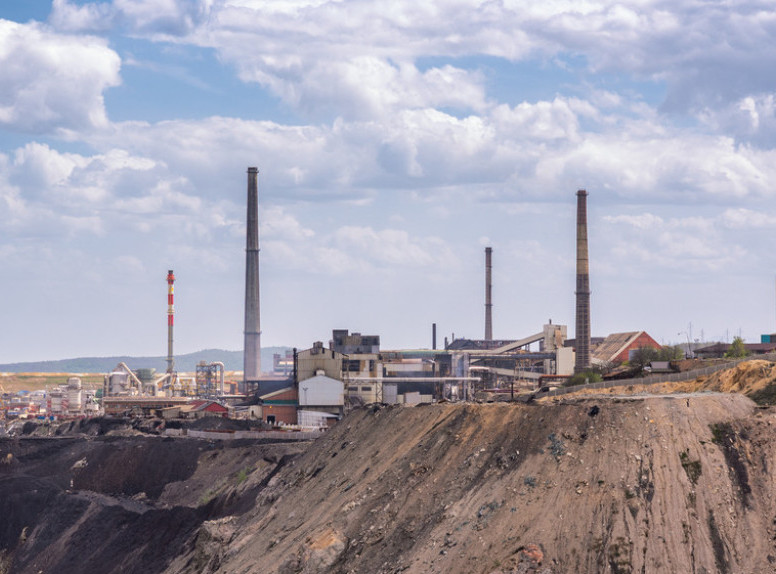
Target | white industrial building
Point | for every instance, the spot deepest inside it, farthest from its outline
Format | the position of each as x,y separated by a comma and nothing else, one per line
321,399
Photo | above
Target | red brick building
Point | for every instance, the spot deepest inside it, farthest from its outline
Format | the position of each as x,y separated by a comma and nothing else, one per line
617,347
280,406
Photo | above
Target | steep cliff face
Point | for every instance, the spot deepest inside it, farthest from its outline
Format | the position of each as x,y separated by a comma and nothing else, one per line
119,504
681,483
674,484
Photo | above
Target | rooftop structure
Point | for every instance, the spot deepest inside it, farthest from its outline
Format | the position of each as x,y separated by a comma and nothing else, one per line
353,343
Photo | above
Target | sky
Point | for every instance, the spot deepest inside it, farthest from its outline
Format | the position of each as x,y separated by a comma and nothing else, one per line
394,141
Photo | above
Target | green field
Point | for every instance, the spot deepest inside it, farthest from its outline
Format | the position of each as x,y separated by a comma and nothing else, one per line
15,382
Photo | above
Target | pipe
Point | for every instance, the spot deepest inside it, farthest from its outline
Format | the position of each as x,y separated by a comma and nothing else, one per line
582,361
170,320
132,375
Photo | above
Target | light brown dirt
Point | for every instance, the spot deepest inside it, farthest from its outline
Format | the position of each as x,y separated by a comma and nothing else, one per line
752,378
658,484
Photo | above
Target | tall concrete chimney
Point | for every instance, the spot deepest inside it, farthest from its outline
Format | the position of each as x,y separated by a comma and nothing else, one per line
252,348
488,302
582,362
433,336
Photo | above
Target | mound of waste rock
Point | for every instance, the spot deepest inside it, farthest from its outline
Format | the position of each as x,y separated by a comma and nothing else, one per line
649,484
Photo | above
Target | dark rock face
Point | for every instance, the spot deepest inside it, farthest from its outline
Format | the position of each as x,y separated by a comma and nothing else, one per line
119,504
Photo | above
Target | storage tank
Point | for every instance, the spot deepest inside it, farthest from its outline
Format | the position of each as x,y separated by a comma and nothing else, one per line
74,395
118,383
145,375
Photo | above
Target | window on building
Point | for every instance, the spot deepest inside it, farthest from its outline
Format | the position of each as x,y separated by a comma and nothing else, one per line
366,389
353,389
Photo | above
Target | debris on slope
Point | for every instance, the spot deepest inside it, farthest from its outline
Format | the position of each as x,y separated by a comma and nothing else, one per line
755,379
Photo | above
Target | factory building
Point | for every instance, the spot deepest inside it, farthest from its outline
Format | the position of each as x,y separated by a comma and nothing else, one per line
195,409
283,365
354,343
317,358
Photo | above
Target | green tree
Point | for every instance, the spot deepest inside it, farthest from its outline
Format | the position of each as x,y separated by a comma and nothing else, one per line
737,349
583,378
670,353
642,357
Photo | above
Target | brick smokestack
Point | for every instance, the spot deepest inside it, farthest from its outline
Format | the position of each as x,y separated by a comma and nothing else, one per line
488,300
583,287
252,348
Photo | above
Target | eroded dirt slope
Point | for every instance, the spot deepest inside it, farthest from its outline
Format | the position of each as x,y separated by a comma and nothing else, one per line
655,484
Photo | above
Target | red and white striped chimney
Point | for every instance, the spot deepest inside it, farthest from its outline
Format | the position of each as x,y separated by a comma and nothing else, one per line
170,319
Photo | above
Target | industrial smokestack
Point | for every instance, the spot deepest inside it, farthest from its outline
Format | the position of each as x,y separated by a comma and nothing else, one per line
433,336
488,302
170,320
582,362
252,348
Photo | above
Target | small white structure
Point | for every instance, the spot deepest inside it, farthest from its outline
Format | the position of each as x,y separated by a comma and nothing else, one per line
315,419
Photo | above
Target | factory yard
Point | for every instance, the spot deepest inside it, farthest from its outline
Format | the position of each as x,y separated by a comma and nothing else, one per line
673,483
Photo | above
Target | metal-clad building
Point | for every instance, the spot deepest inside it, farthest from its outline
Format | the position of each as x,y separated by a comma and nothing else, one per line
320,391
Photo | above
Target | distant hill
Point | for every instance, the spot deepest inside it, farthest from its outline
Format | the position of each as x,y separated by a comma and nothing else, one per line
232,360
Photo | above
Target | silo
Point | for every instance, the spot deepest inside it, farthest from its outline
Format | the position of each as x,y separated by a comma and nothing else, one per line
74,395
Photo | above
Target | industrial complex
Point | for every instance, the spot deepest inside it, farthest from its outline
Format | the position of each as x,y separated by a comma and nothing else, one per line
316,386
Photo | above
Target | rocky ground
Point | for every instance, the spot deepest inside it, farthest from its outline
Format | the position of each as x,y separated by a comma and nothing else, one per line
623,484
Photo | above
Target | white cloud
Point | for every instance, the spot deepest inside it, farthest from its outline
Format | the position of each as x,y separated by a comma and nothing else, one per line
687,244
53,82
743,218
393,247
277,223
77,18
158,18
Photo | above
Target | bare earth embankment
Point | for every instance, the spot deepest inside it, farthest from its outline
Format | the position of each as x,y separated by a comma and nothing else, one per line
642,485
652,484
